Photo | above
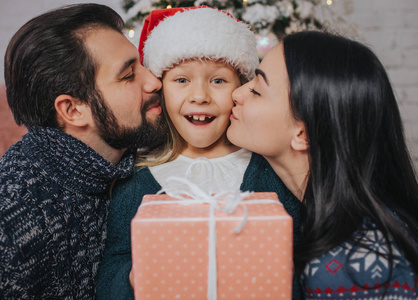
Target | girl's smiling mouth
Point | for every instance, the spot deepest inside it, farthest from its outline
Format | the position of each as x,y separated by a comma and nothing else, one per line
199,119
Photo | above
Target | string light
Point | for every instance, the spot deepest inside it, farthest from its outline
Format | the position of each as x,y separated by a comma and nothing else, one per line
245,2
131,33
329,2
169,6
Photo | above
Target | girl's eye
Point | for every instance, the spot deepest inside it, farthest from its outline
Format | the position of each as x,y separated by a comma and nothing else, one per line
254,92
181,80
218,81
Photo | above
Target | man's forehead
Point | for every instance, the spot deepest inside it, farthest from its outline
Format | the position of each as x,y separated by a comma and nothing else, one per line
110,49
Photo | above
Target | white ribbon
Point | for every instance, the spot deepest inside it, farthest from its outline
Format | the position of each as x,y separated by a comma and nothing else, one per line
194,194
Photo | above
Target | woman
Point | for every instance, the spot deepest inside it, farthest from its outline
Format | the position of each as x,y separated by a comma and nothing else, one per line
321,110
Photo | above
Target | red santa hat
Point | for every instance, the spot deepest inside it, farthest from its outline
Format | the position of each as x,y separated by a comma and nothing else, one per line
171,36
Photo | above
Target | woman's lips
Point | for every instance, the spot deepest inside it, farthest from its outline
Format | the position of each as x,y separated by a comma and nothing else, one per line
232,116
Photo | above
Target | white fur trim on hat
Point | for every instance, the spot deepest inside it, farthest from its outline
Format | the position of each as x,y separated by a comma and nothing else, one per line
201,33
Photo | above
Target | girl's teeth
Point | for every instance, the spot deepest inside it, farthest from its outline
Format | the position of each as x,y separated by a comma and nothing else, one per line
199,118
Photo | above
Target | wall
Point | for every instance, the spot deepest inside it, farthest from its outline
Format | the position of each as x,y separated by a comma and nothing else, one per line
389,27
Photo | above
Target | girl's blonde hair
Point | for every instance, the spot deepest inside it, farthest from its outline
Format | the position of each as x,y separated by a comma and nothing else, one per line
169,151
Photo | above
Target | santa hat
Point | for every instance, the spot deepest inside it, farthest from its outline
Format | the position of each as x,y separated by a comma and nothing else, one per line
170,36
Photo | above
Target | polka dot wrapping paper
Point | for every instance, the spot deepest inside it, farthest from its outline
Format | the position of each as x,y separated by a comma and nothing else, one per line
170,250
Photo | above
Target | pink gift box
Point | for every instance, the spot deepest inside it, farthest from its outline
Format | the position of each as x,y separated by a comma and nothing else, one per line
170,250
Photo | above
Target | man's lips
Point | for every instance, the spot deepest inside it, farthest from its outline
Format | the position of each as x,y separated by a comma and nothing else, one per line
151,104
155,109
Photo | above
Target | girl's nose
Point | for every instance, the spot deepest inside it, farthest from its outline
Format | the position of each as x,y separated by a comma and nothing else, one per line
199,93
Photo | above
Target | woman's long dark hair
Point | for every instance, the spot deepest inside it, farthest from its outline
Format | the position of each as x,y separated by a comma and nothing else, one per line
359,163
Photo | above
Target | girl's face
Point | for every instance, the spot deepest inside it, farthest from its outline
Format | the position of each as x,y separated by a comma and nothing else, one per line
261,120
198,100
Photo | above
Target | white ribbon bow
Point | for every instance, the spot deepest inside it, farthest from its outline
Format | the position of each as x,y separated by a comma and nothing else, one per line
194,194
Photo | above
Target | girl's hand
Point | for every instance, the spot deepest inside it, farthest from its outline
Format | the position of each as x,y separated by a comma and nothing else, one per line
131,278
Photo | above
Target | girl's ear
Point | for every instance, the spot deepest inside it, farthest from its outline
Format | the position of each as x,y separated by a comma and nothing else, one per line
299,141
70,111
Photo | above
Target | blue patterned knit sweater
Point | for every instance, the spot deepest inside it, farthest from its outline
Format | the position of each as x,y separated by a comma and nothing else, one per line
350,271
54,196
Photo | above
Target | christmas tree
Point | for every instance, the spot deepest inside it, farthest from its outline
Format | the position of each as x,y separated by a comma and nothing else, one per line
270,19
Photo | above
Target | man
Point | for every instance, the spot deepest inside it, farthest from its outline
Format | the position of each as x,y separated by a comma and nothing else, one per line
76,83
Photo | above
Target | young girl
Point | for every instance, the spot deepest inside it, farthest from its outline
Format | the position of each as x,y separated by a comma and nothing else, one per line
201,55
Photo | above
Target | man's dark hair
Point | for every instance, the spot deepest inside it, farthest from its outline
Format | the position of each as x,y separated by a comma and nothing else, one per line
47,57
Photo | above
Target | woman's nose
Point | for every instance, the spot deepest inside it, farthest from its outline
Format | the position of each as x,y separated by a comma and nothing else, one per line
237,95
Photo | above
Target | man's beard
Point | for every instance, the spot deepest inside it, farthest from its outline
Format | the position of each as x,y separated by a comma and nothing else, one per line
148,135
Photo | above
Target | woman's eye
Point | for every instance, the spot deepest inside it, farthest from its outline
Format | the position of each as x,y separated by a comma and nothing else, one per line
218,81
254,92
181,80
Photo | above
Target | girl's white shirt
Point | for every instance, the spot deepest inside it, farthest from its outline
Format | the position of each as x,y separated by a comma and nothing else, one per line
228,171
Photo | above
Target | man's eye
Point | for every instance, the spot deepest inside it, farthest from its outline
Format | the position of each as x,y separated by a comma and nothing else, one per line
254,92
218,81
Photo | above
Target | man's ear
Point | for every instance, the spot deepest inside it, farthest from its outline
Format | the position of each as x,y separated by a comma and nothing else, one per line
300,140
70,111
